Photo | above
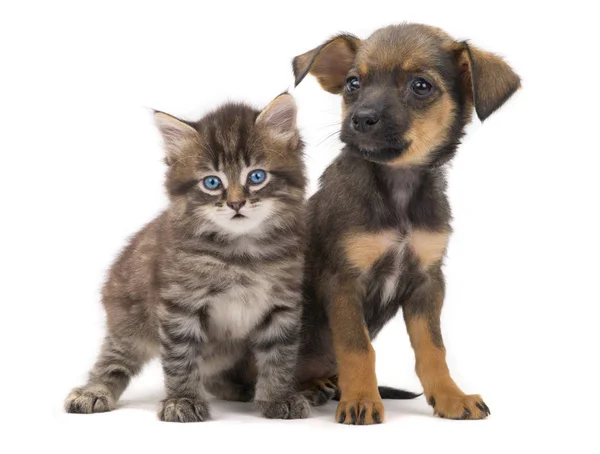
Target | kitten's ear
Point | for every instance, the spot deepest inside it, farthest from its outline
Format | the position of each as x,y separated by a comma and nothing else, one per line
175,133
279,118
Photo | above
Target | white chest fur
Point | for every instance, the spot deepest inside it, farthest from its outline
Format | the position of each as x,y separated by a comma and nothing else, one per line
390,279
235,313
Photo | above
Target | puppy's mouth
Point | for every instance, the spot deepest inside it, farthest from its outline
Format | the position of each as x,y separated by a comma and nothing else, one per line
371,149
380,154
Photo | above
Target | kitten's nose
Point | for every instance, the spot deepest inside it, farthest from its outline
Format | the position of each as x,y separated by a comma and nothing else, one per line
236,204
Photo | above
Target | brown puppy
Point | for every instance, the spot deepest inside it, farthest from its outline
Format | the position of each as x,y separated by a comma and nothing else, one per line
380,221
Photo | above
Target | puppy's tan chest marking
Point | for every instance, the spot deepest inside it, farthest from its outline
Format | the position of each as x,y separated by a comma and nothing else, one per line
429,247
364,249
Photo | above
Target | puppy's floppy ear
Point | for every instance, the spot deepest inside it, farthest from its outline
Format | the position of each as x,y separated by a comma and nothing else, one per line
488,79
329,63
175,133
278,119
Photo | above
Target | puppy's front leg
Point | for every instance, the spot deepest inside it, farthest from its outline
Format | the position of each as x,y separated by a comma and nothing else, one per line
360,402
422,316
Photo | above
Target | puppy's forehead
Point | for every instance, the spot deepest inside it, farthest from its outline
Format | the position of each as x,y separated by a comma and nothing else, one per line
410,47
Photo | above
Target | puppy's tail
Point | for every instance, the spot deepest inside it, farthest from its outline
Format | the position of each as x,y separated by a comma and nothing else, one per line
388,393
393,393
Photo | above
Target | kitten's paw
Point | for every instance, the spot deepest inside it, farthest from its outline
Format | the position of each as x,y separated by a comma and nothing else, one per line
183,409
460,406
89,399
296,407
360,412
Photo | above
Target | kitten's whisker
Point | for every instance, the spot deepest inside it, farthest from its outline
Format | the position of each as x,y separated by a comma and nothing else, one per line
181,158
253,143
277,152
329,136
336,125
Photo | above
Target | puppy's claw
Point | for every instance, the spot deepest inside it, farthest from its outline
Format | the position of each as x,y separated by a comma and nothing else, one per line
360,412
353,415
376,417
459,406
432,402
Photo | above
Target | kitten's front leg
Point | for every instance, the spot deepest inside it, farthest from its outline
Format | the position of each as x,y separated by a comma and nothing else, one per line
182,338
276,343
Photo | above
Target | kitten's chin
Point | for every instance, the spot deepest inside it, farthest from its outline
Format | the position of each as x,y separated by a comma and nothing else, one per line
249,221
241,225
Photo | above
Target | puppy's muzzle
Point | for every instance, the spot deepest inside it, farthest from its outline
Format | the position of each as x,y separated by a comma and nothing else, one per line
365,120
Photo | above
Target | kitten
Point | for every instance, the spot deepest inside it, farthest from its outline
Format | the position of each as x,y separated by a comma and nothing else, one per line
213,284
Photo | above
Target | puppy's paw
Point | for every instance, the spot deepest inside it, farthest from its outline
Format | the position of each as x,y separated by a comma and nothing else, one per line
182,409
296,407
452,406
360,412
89,399
319,392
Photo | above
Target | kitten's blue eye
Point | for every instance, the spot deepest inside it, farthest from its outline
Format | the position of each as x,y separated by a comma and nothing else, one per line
212,182
257,177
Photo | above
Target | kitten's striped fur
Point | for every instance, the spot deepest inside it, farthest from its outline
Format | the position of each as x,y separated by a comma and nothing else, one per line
217,297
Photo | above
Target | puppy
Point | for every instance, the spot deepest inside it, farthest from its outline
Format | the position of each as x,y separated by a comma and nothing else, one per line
380,220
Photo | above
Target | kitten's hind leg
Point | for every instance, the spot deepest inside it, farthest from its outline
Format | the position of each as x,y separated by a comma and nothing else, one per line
222,387
235,384
118,362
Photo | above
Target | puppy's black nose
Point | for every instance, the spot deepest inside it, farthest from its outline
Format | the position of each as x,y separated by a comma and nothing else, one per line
236,204
363,120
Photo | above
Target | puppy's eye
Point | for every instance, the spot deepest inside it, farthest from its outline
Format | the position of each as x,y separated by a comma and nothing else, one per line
352,83
421,87
211,182
257,177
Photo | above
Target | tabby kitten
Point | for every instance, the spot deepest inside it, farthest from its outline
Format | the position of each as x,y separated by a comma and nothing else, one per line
213,284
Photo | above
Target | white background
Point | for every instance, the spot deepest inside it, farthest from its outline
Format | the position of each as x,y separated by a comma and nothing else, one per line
81,170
